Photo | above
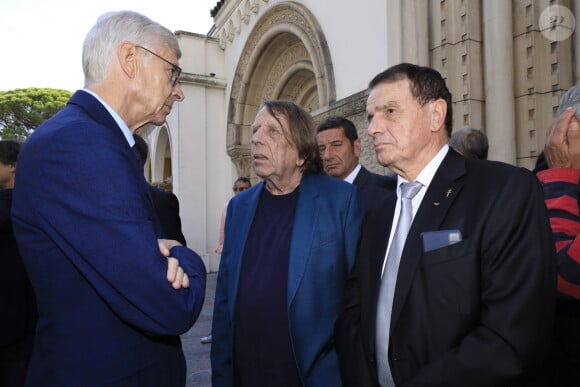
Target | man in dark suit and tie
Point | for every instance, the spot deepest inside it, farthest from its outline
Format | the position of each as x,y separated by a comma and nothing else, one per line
340,150
469,299
112,297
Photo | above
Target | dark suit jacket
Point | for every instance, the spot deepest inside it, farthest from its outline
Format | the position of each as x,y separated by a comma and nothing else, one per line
475,313
83,221
326,229
373,187
166,208
17,301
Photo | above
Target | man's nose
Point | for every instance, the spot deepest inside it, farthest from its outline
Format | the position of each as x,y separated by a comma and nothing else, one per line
256,136
177,92
372,129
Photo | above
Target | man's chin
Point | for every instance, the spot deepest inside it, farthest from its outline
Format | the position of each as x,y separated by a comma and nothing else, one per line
158,121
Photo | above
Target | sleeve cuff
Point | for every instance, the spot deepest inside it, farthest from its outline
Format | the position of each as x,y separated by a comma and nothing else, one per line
567,175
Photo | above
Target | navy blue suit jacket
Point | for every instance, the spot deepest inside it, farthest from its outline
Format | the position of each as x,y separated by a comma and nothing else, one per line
83,221
326,230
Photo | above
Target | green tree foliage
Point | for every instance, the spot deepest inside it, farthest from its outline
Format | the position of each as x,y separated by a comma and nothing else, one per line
23,110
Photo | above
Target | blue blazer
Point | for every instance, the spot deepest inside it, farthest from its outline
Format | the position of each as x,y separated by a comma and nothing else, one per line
326,230
83,221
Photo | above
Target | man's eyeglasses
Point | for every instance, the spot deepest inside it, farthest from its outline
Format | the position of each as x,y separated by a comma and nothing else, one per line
176,71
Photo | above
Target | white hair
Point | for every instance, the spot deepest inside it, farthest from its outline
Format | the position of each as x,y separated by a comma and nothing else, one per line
114,28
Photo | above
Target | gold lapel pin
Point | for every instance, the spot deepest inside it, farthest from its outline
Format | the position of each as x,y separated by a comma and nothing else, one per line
449,191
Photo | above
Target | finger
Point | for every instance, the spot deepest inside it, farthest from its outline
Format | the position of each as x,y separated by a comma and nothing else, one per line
178,278
163,248
556,149
172,266
574,143
558,129
573,126
185,281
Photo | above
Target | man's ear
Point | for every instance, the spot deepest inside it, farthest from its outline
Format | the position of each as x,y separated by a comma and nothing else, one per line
127,56
357,147
438,114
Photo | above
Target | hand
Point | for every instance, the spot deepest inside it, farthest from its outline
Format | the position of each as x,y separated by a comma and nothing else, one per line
175,274
165,245
562,148
218,250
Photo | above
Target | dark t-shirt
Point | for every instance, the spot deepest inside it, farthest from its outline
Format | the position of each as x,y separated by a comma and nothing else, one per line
262,345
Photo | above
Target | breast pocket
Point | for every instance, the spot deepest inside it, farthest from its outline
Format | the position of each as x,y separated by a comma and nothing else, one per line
451,277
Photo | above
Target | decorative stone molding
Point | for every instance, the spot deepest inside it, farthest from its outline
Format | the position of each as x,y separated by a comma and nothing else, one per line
240,156
238,18
202,80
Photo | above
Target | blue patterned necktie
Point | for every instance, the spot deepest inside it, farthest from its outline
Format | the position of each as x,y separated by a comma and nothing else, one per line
387,290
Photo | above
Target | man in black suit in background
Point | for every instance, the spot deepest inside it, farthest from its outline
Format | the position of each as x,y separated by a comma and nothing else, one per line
165,203
469,299
17,301
340,149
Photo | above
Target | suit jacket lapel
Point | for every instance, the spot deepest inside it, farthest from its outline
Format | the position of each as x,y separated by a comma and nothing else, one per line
378,227
244,218
437,200
381,225
361,177
305,222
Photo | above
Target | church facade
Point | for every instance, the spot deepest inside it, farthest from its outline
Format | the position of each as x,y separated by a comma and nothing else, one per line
507,63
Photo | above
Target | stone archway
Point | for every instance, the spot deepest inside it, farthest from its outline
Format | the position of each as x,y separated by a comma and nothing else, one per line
160,163
285,57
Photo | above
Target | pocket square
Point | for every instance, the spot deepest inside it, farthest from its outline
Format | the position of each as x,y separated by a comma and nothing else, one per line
433,240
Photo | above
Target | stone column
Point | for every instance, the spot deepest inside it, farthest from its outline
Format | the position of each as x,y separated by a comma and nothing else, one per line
415,34
576,40
394,32
500,122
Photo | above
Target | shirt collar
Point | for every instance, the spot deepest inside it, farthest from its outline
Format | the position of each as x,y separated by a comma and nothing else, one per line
124,128
351,176
426,175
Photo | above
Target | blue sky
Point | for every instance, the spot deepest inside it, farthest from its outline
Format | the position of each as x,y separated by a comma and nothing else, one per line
42,40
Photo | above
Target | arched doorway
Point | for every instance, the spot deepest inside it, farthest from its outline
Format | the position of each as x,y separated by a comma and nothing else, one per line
285,57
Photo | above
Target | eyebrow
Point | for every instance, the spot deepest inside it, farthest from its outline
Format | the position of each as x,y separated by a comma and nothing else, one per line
382,108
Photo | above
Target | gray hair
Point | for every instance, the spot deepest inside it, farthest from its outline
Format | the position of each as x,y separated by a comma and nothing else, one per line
114,28
471,143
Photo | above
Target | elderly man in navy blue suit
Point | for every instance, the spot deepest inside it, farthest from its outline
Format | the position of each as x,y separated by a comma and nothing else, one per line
466,296
112,297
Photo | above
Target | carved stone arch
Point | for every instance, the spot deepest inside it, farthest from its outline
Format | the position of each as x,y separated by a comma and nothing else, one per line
161,161
285,57
246,13
296,84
